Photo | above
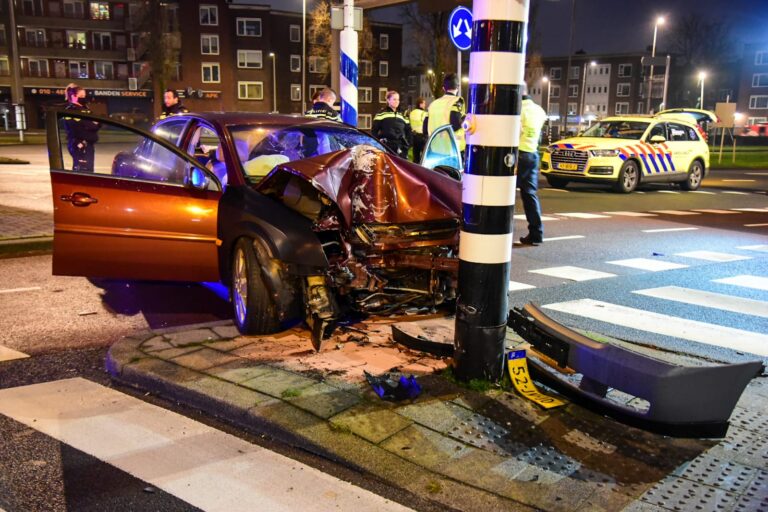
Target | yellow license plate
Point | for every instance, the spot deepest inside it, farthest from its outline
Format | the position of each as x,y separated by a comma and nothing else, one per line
567,167
521,379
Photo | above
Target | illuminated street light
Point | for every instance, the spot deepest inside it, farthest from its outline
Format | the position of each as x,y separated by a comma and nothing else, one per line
274,83
659,21
465,79
702,76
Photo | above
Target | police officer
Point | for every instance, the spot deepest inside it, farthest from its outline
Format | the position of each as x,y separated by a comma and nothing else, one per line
82,134
322,108
532,118
416,118
172,104
447,109
391,126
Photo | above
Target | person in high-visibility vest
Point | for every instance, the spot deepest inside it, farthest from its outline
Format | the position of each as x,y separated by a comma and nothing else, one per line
532,118
417,116
447,109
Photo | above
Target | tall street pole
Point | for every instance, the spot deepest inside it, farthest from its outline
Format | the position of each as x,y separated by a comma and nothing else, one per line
702,76
303,56
568,66
549,121
274,83
348,68
496,75
666,84
659,21
17,92
584,90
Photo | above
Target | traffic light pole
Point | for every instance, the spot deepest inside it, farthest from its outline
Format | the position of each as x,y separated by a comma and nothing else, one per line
496,72
348,78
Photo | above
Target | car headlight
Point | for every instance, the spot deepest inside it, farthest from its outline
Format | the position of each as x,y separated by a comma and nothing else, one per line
604,152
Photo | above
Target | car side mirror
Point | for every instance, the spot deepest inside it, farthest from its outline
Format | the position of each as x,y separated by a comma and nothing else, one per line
197,179
656,139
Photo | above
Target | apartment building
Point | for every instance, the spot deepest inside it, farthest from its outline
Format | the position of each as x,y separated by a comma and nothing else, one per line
753,84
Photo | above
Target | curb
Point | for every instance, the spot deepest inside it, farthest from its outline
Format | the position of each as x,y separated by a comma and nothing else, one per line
15,247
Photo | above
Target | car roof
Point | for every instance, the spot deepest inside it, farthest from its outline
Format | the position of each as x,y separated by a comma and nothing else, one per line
257,118
682,119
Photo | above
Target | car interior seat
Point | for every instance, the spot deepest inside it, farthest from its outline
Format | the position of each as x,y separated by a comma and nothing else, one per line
218,167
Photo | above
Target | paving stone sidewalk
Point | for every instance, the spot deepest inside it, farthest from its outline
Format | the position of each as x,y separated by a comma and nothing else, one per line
17,223
464,449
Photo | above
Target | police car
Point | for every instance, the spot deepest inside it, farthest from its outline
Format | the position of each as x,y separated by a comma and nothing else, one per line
625,151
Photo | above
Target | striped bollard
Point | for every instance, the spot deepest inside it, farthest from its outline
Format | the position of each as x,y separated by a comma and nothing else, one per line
496,70
348,68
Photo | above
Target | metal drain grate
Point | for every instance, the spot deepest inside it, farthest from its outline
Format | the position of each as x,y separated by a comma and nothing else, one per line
550,459
675,493
482,432
719,473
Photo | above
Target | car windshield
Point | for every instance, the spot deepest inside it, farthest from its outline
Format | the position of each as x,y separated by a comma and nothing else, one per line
617,130
261,148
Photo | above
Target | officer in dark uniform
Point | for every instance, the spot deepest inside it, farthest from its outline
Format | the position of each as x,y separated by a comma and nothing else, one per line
392,127
82,134
322,108
172,104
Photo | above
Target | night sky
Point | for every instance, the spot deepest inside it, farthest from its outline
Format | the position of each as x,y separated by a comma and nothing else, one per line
613,26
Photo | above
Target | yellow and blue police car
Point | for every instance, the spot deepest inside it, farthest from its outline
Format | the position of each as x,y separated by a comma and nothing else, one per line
625,151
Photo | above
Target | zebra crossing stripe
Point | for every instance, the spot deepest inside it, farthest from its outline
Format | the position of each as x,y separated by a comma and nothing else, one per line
667,325
667,192
708,300
515,286
207,468
573,273
715,211
754,282
761,248
721,257
648,264
544,218
675,212
631,214
705,192
568,237
668,230
579,215
8,354
755,225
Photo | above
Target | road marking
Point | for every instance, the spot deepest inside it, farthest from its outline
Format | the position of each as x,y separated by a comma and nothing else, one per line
631,214
702,192
756,173
701,332
715,211
667,230
544,218
648,264
761,248
8,354
738,181
573,273
19,290
754,282
556,190
759,210
736,193
515,286
667,191
755,225
568,237
578,215
200,465
708,300
721,257
675,212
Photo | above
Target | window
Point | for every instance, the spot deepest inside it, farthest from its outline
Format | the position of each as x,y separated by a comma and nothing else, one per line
758,102
251,59
295,63
211,73
574,75
384,41
209,44
760,80
32,7
555,92
622,89
74,9
365,95
366,68
383,94
622,108
76,39
554,109
573,91
625,70
35,37
677,133
99,10
103,70
640,107
315,88
2,35
209,15
122,71
384,68
411,81
249,27
102,40
757,120
364,121
250,90
78,69
5,69
555,73
295,92
318,64
294,32
571,108
761,58
38,67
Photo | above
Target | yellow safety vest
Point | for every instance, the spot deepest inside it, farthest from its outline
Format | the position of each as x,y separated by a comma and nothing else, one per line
417,120
440,115
532,119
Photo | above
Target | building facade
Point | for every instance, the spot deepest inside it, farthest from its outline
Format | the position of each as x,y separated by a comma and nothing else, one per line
753,84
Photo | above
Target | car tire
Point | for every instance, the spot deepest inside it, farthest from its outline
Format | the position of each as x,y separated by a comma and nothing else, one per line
629,177
556,182
254,309
694,177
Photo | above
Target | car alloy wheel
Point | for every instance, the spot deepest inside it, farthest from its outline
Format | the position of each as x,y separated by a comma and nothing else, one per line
240,286
693,179
254,306
629,177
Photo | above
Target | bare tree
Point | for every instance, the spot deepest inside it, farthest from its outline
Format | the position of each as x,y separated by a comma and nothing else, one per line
431,46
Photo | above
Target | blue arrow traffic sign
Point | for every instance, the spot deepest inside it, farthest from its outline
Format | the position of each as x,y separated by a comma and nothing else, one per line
460,28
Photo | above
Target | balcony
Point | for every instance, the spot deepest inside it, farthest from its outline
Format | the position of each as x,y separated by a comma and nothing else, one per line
69,23
53,50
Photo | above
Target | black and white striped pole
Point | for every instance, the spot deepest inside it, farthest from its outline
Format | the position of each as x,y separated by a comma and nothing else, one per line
496,72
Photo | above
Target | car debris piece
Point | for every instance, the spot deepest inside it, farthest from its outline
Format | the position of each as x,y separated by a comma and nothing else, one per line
403,389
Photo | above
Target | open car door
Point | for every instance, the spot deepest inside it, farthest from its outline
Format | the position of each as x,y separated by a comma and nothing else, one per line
442,152
129,204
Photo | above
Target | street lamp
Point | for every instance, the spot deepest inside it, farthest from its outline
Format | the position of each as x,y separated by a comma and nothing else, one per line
274,83
545,80
584,90
659,21
702,76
